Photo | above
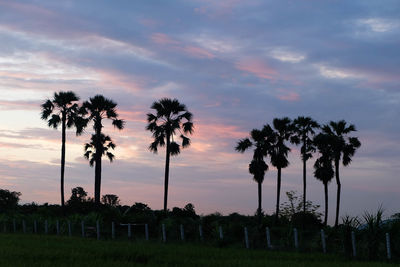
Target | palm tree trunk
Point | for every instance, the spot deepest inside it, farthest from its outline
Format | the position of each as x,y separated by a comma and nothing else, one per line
97,170
278,194
62,158
304,184
167,156
338,192
259,203
326,203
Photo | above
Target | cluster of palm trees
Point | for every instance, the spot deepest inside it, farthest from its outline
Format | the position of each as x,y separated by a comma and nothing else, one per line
64,109
332,144
171,119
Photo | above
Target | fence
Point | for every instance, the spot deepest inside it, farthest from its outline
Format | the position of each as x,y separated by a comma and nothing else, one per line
325,241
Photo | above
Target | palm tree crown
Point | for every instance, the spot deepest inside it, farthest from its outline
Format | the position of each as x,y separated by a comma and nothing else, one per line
63,109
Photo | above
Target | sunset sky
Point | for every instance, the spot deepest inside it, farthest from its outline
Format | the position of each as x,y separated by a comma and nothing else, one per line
235,64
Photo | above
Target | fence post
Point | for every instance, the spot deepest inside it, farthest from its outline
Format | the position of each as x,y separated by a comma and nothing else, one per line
296,238
46,227
323,241
58,227
201,232
35,226
4,227
23,226
83,228
246,237
221,234
164,234
112,230
389,253
129,231
146,231
182,233
14,226
69,228
98,229
267,232
353,243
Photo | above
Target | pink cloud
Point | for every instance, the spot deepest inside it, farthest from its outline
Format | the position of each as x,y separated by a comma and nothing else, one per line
287,95
257,68
198,52
163,39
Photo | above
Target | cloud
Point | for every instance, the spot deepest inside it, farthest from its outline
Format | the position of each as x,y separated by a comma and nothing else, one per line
256,67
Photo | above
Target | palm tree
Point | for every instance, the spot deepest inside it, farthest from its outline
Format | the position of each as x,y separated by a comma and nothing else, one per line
304,131
279,153
323,167
62,109
344,149
262,141
97,109
166,123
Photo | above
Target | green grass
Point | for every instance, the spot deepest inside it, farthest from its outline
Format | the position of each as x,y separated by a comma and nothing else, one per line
39,250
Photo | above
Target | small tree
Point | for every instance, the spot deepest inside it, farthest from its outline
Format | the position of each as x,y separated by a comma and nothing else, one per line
8,199
78,196
110,200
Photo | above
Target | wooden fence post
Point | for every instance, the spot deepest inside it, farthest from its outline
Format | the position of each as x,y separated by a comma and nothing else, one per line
14,226
388,250
69,229
112,230
221,234
23,226
83,228
182,232
296,238
353,243
35,226
46,227
323,241
201,232
267,232
146,231
129,231
246,237
164,234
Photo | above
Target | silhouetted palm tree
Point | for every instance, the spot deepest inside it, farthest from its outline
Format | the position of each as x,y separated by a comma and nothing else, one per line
323,167
279,153
165,124
63,109
344,149
97,109
304,131
262,141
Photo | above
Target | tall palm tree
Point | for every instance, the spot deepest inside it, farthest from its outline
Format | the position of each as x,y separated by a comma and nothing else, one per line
97,109
304,131
283,131
166,123
344,149
323,167
262,141
62,109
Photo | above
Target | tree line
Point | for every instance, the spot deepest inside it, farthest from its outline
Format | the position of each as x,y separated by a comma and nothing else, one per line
333,145
172,121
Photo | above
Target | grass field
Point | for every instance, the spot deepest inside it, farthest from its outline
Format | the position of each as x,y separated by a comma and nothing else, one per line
39,250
